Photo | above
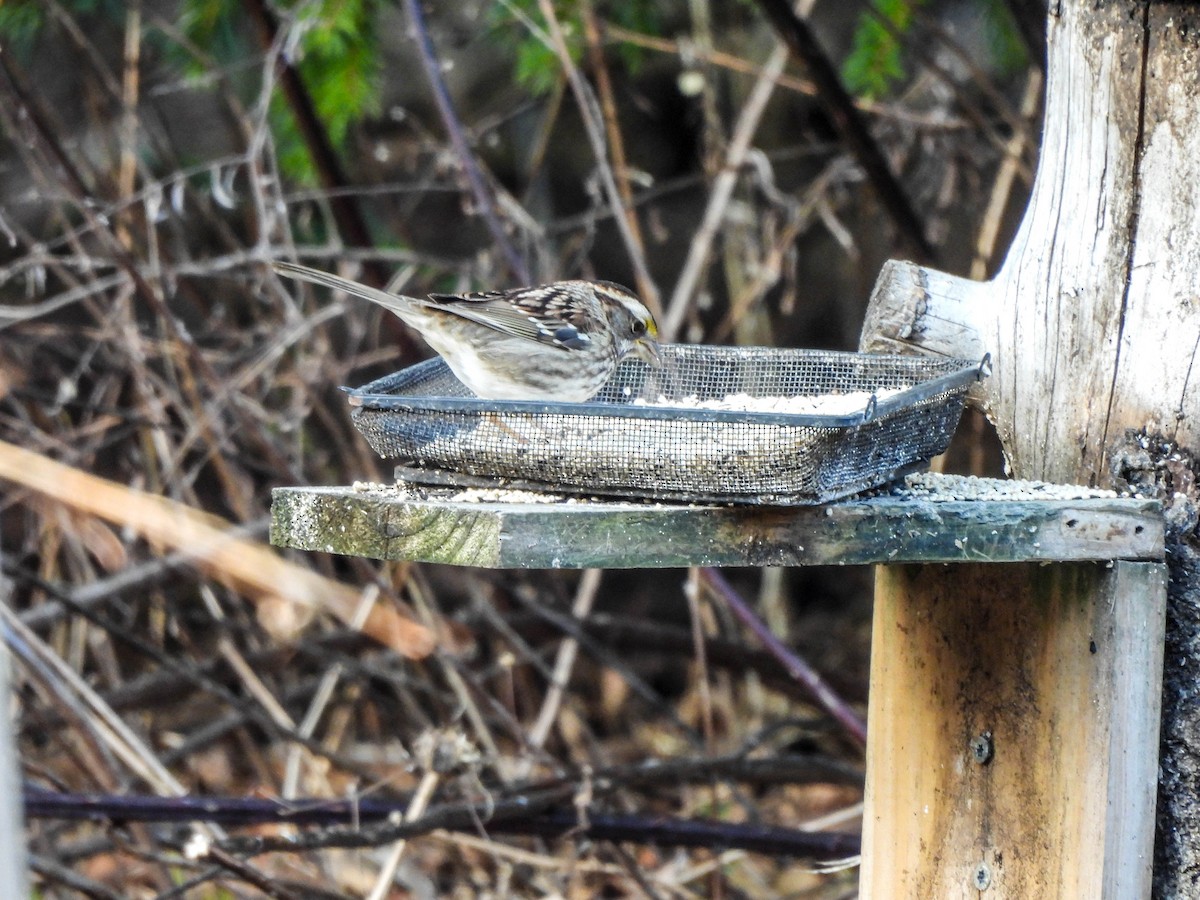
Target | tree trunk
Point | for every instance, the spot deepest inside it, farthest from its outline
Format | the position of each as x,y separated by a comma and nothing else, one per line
1093,322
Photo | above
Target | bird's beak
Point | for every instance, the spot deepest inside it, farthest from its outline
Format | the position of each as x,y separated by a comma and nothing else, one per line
647,350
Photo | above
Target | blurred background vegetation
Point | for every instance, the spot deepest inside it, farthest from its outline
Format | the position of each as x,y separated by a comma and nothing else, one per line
159,153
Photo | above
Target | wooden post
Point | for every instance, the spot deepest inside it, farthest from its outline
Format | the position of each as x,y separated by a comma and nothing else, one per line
14,879
1013,730
1092,321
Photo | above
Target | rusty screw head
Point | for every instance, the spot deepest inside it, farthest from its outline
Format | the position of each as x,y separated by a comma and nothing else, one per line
981,878
982,748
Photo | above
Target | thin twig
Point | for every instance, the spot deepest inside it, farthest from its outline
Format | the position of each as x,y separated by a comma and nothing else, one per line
780,768
1006,176
638,637
937,122
271,887
458,139
691,590
593,121
423,601
1016,121
585,596
321,698
140,576
258,571
48,154
584,632
184,677
771,266
539,813
53,872
820,690
721,193
116,735
325,159
617,34
127,170
616,145
416,809
799,37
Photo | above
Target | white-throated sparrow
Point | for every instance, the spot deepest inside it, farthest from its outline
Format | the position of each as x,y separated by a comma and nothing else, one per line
556,342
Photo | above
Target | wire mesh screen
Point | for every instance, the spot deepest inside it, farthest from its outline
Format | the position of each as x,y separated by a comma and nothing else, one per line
740,424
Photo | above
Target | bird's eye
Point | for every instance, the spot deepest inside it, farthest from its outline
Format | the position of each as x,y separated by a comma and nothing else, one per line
638,327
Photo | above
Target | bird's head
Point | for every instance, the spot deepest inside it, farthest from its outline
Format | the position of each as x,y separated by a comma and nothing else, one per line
634,329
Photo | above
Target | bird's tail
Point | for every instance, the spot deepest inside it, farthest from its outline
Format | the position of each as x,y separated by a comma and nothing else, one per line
397,303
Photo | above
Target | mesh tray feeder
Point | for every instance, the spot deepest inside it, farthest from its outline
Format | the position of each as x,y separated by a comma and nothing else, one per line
730,424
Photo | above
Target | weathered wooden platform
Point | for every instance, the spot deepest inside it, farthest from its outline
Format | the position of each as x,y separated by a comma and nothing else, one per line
940,520
1013,708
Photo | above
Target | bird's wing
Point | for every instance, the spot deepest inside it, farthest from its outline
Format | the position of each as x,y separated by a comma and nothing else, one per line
550,314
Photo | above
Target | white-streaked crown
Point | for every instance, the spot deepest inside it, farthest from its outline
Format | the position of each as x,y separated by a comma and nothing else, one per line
612,294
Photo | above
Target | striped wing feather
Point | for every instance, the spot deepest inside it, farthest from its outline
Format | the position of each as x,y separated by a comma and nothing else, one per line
551,314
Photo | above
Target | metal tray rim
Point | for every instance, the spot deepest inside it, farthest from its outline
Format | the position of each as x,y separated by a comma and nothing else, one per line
368,397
